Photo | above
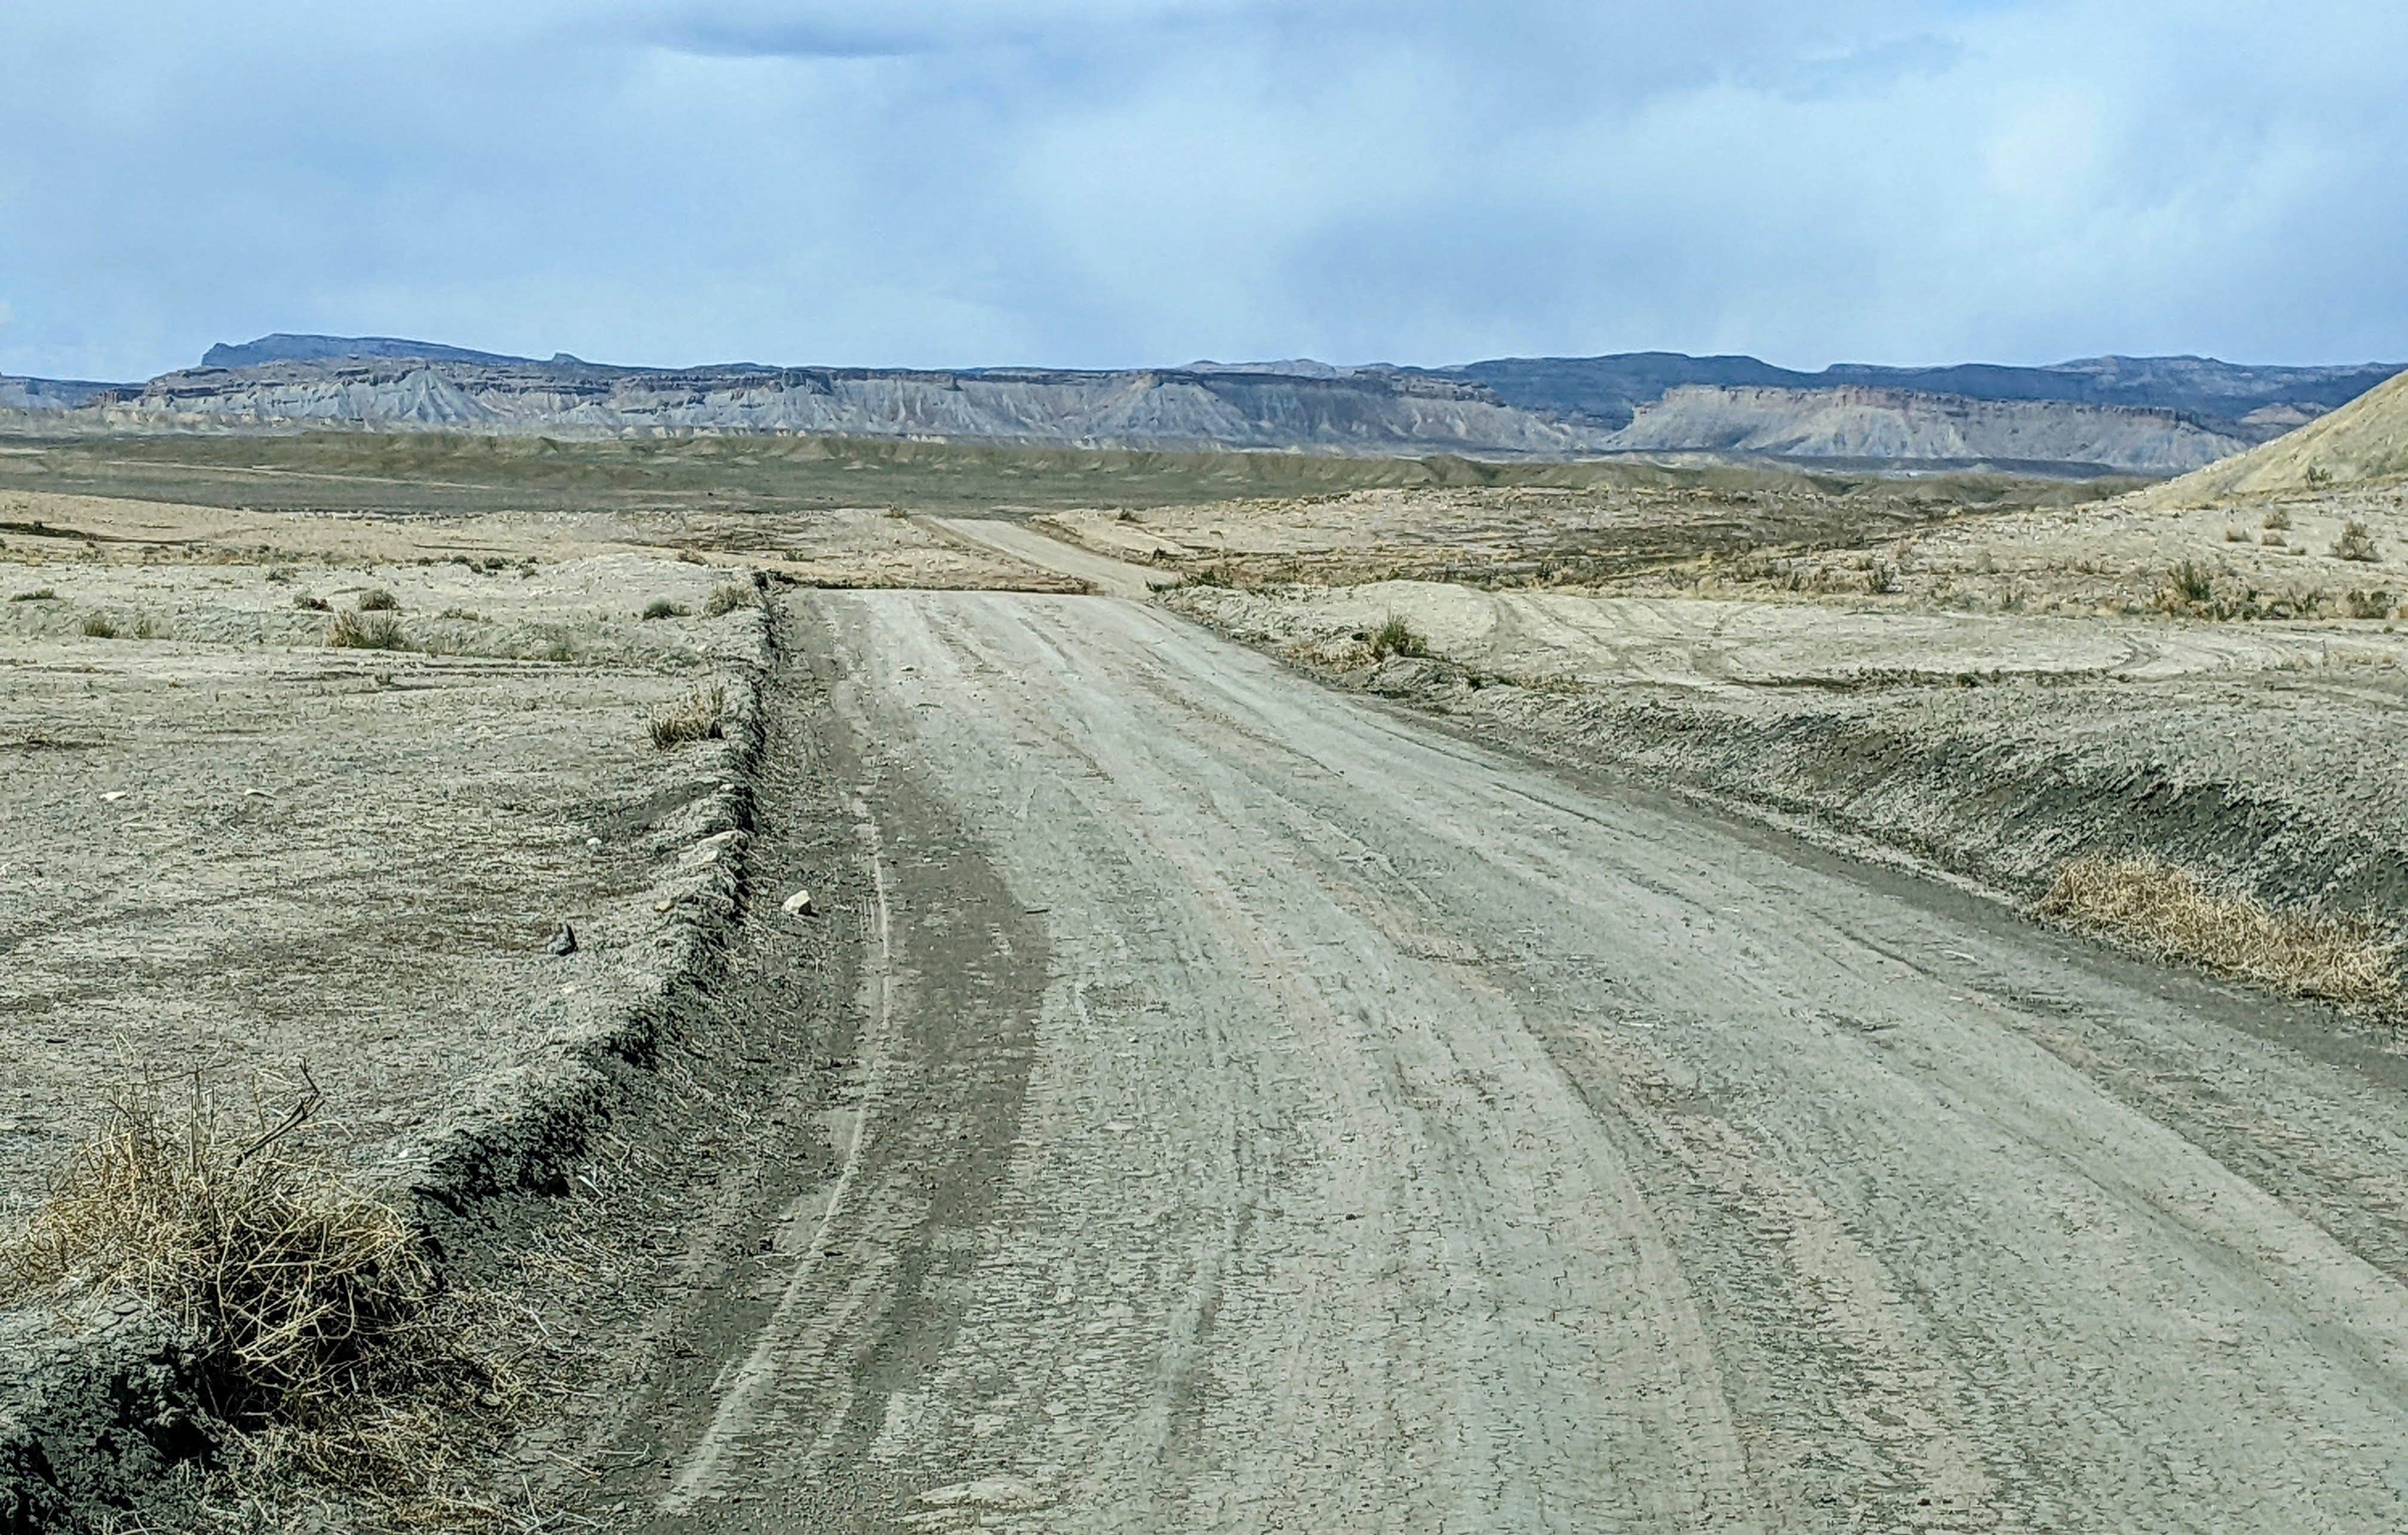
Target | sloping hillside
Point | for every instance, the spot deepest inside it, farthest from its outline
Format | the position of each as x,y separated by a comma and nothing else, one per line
1901,425
2362,441
2249,401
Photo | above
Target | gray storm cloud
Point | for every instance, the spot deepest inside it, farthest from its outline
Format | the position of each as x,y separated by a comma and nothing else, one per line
1077,182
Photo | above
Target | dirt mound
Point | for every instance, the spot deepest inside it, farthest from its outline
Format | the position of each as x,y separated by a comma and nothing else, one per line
2364,440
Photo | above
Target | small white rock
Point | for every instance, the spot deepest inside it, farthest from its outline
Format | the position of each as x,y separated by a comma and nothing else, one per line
112,796
798,904
594,844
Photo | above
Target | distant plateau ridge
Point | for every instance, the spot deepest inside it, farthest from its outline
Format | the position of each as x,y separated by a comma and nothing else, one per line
2104,415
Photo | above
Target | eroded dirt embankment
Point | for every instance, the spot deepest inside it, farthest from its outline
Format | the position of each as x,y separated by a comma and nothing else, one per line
2264,758
383,917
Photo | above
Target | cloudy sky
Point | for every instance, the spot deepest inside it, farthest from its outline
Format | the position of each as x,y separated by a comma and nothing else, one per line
1097,182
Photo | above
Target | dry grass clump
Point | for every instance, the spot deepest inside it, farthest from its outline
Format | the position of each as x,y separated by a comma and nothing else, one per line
663,607
39,594
1397,638
2155,905
97,626
360,631
325,1341
376,600
2355,543
701,715
727,596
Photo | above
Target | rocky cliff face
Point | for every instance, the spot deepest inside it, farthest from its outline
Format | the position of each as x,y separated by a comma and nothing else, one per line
2245,400
2150,415
1906,426
1366,413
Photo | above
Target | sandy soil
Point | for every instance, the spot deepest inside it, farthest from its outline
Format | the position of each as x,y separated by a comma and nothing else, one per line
230,846
1908,547
235,848
1267,1110
1516,535
1701,642
858,547
2267,557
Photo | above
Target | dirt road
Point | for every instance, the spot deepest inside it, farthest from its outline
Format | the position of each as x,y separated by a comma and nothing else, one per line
1271,1112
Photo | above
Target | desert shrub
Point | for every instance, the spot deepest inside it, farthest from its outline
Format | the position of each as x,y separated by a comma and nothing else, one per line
2157,906
1881,577
321,1333
2375,604
2276,520
727,596
2317,477
376,600
2193,581
701,715
1396,637
97,626
39,594
663,607
312,605
280,574
687,556
1208,575
2355,543
367,632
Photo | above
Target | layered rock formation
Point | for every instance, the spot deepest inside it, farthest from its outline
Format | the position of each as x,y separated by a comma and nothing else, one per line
2161,415
1897,425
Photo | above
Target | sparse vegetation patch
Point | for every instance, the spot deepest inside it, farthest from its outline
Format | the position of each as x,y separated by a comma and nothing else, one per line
663,607
323,1336
1396,637
727,596
360,631
701,715
2157,906
376,600
2355,543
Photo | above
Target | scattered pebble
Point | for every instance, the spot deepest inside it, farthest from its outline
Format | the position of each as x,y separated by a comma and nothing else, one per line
112,796
594,844
798,904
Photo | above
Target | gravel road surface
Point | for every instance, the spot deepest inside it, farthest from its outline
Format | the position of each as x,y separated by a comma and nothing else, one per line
1272,1111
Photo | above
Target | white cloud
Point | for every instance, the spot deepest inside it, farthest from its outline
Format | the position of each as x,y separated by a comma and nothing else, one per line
1099,181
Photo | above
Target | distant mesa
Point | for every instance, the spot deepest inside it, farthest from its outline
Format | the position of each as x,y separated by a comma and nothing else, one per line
284,348
2153,416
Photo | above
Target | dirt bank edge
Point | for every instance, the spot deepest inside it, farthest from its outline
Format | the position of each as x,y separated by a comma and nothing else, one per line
98,1407
1996,812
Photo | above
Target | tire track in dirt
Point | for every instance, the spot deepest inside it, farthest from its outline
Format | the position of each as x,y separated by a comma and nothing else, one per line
1299,1118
